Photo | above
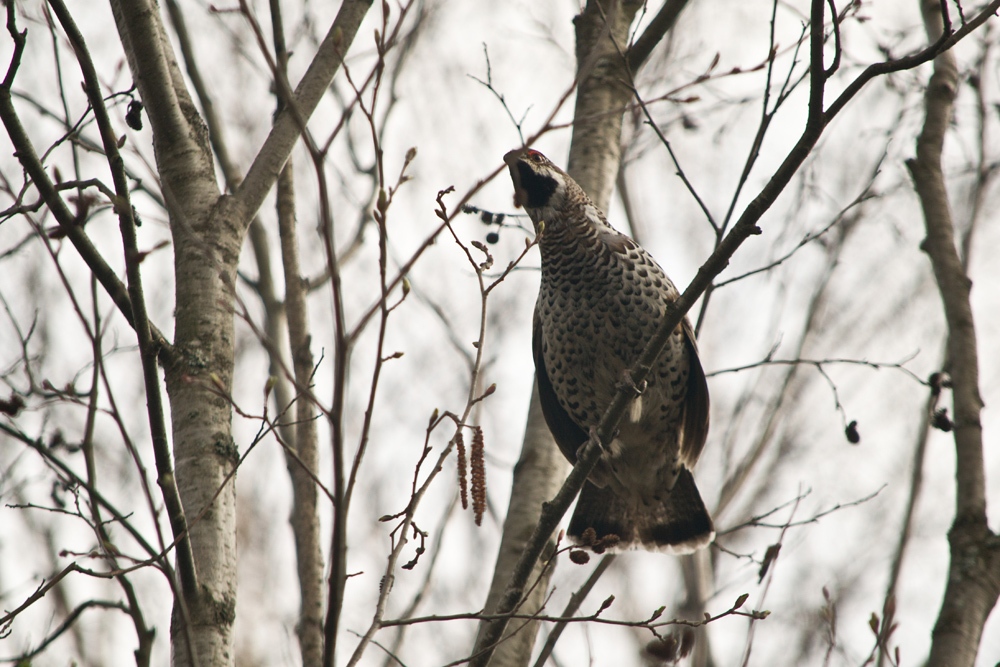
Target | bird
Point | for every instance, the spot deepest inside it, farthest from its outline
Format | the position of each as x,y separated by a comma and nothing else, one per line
600,300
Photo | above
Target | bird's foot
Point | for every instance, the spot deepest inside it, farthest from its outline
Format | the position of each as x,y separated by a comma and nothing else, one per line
592,436
627,382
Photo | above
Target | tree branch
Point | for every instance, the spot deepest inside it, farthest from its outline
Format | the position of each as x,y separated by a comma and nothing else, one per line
974,572
661,24
26,155
286,131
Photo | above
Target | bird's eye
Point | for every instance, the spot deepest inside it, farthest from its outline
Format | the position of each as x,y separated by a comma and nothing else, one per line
534,155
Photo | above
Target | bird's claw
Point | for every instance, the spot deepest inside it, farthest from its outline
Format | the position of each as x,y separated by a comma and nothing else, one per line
592,435
629,383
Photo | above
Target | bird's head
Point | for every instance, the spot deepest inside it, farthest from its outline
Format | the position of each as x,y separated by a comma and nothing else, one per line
539,186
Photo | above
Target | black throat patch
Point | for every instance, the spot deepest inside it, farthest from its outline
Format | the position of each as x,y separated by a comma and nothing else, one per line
539,188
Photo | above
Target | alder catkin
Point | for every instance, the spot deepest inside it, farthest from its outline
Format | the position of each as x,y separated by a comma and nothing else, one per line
463,490
478,475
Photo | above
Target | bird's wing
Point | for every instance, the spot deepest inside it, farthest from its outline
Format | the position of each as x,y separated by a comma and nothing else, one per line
567,433
694,428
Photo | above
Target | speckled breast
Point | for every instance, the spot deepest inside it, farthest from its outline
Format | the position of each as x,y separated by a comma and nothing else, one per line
598,307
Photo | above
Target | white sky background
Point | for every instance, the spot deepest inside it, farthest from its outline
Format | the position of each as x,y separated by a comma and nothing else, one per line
882,306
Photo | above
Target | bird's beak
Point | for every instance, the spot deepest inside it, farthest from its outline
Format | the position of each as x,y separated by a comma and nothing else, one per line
512,158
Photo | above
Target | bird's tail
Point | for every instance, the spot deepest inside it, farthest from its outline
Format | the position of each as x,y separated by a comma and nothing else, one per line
679,525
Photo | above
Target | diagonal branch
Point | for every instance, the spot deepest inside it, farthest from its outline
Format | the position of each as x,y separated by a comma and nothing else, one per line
28,158
286,130
661,24
49,192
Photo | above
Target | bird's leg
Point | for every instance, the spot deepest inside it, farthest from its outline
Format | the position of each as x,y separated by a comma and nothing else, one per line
599,475
591,436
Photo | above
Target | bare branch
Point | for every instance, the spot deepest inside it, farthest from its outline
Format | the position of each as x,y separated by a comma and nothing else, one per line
661,24
286,130
973,581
